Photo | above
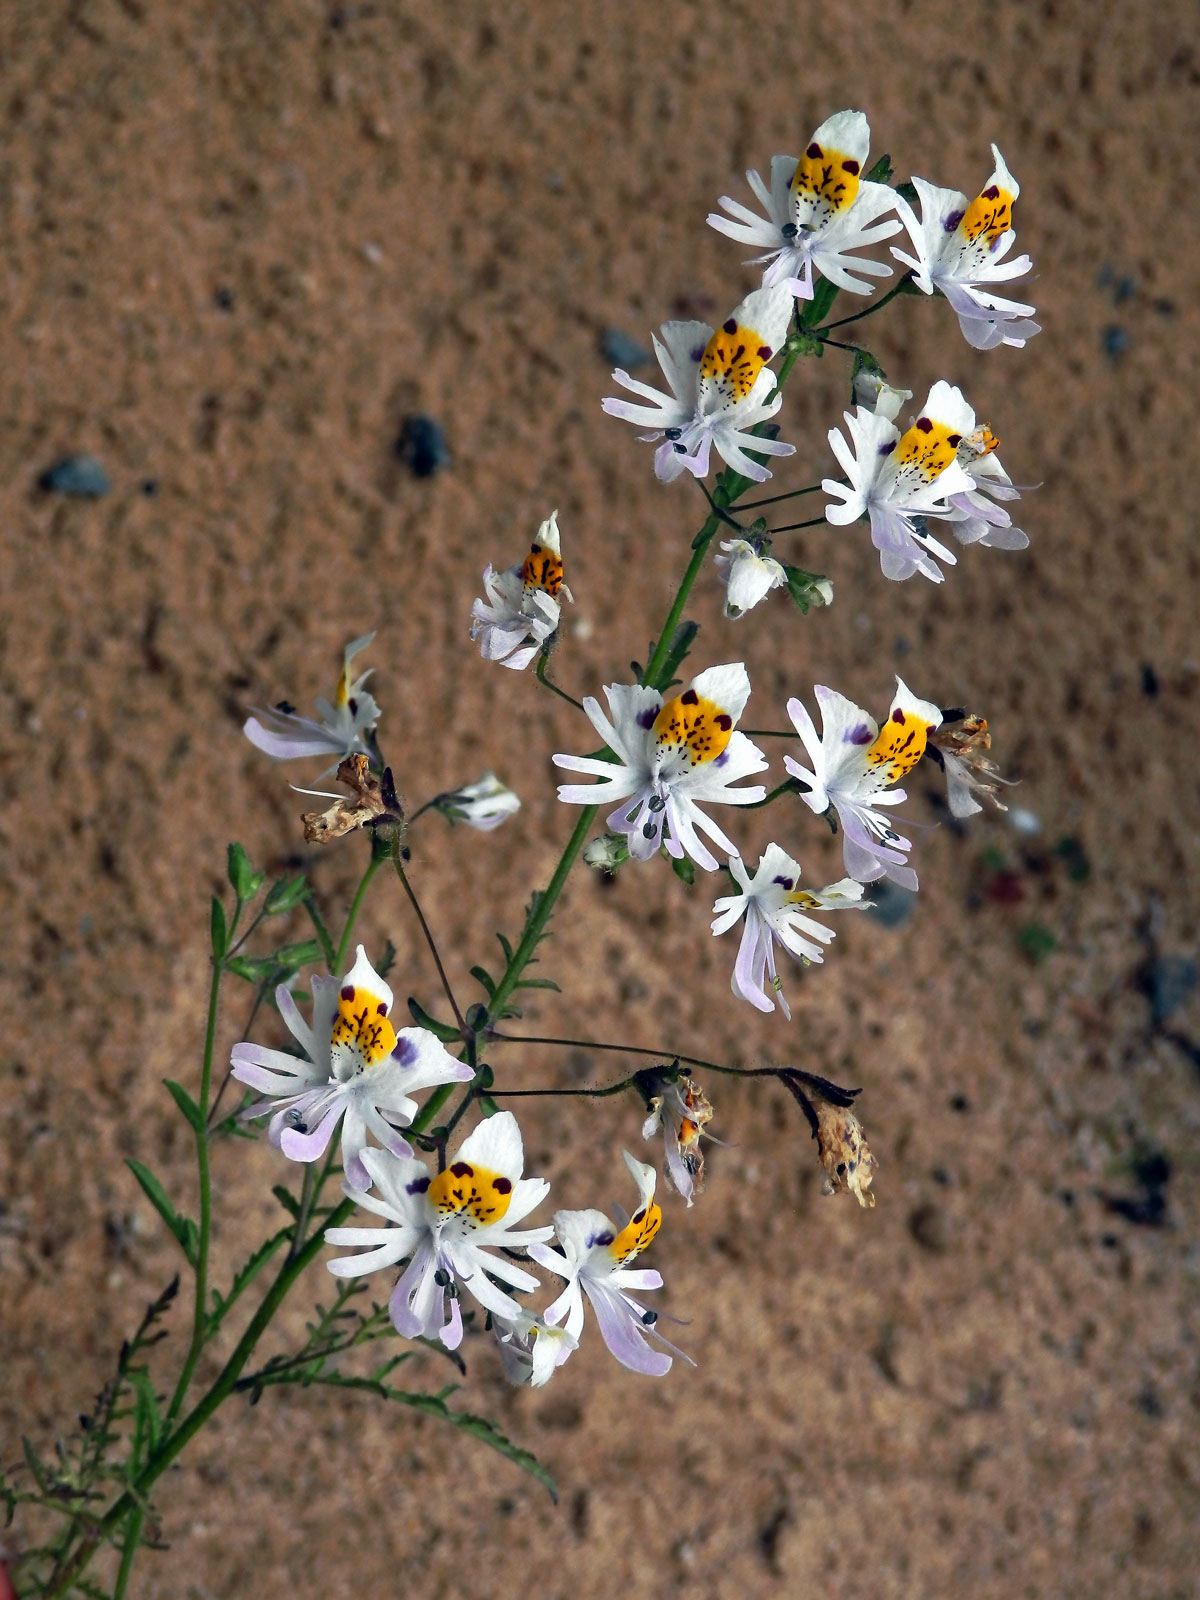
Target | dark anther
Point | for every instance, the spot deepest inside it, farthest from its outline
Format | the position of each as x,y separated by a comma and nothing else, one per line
680,449
673,433
649,831
656,802
789,230
442,1278
649,1318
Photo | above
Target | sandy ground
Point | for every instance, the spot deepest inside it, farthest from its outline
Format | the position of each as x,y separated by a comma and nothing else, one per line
238,244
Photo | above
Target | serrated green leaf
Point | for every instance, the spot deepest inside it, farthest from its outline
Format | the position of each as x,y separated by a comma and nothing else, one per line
287,1200
246,882
218,929
445,1031
484,978
387,960
182,1229
187,1106
286,895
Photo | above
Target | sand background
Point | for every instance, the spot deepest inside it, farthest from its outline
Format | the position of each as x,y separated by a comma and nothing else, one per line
238,244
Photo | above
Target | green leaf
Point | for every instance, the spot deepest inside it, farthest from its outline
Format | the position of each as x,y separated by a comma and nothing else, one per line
219,929
246,882
484,978
188,1107
254,969
813,312
683,868
286,895
149,1418
907,191
182,1228
487,1106
506,947
484,1076
387,960
538,983
445,1031
881,172
287,1200
289,958
245,1276
681,643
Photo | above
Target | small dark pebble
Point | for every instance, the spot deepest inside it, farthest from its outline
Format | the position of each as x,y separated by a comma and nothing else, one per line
623,351
892,905
1167,982
959,1102
1149,1401
1114,341
1125,289
1165,308
81,476
1150,684
223,298
1148,1210
927,1224
422,446
149,487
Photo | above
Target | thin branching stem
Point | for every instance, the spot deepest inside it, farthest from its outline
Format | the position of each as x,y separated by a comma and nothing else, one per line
869,311
562,694
790,527
429,939
259,996
378,857
756,505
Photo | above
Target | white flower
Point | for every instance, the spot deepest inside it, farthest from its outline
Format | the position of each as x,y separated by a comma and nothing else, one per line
960,249
450,1225
985,522
531,1351
818,210
721,388
682,1111
897,481
484,804
748,576
595,1262
522,603
669,758
355,1065
854,764
338,730
774,909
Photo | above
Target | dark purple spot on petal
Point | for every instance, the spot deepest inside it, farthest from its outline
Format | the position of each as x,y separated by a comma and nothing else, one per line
784,883
698,352
814,149
952,221
992,192
859,735
924,424
731,325
405,1052
417,1186
898,716
600,1238
954,439
502,1185
764,352
689,697
348,991
851,167
724,721
381,1008
721,759
353,704
887,448
645,719
463,1169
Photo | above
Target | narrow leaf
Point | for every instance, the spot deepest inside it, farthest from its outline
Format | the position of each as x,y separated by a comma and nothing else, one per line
538,983
484,978
219,930
287,1200
683,868
149,1418
187,1106
286,895
181,1228
445,1031
246,882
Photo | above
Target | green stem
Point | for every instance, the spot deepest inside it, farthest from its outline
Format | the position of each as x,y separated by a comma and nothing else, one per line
629,1050
133,1532
323,933
663,648
134,1497
771,499
553,687
536,924
429,939
378,857
200,1309
791,527
788,786
876,305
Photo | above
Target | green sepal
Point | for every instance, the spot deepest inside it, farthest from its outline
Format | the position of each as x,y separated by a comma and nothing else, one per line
190,1110
246,882
487,1106
881,172
219,929
254,969
289,958
907,191
445,1031
802,586
286,895
684,869
183,1229
484,1076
